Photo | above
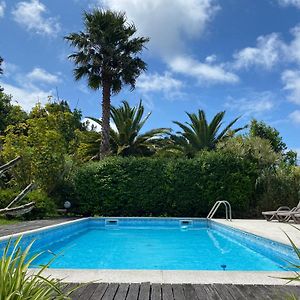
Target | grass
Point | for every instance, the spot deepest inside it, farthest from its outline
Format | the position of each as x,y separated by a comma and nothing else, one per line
4,221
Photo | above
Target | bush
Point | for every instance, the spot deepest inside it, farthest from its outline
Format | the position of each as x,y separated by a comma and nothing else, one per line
160,187
44,205
6,196
278,187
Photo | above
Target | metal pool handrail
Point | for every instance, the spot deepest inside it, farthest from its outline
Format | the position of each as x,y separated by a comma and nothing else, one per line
217,205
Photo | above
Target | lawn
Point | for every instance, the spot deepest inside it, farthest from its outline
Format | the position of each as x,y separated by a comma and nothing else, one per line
4,221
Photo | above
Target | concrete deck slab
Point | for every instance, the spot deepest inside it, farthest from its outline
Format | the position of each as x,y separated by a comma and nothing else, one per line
174,277
273,230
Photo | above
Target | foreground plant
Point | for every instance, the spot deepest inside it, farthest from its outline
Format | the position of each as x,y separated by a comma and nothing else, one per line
16,283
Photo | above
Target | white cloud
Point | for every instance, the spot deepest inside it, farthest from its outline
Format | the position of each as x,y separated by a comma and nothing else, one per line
295,116
295,3
266,53
168,23
253,105
291,80
204,73
40,75
2,8
95,126
156,83
26,97
30,14
211,59
292,50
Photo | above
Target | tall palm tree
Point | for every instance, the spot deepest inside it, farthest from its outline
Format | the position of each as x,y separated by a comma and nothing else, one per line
198,134
1,61
1,71
107,55
125,134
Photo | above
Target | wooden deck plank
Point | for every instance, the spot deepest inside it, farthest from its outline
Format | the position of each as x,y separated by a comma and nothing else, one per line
228,292
133,291
178,292
205,291
147,291
155,291
144,291
288,289
250,291
110,291
190,292
122,291
167,293
88,292
99,292
277,292
78,292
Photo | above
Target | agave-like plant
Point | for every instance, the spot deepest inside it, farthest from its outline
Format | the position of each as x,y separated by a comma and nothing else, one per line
199,135
16,283
126,138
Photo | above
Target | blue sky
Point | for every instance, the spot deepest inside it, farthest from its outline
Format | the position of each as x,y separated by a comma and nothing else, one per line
242,56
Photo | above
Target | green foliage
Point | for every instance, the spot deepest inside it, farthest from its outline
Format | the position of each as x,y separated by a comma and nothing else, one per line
255,149
9,114
43,141
107,55
107,49
126,139
16,283
158,187
42,150
6,196
278,186
264,131
44,205
88,145
199,135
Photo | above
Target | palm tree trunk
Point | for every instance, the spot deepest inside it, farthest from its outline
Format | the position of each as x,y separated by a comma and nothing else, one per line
105,145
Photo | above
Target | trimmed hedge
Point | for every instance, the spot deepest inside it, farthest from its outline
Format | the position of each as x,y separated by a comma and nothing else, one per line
162,187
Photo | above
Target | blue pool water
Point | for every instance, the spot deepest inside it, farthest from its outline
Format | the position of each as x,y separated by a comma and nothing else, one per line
157,244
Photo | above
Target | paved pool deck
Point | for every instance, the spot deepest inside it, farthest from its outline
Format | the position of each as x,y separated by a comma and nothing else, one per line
272,230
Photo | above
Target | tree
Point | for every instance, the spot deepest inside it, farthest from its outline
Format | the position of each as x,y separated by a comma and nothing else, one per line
199,135
44,141
267,132
107,55
264,131
126,139
1,71
1,61
9,114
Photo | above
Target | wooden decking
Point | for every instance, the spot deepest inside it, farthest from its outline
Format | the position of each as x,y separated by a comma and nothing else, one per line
147,291
29,225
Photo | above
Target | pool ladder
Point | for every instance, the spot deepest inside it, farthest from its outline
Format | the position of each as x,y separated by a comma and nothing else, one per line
217,205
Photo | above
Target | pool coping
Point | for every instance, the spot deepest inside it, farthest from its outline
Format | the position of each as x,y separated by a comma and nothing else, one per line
159,276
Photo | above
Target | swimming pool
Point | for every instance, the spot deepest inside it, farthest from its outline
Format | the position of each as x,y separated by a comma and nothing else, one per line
156,244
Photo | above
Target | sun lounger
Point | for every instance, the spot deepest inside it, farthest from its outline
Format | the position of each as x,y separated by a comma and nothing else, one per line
271,215
286,216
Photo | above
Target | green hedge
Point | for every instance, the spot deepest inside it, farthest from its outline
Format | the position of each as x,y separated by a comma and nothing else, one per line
162,187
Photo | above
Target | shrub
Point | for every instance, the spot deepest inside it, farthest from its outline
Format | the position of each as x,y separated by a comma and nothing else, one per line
17,283
278,187
159,187
44,205
6,196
